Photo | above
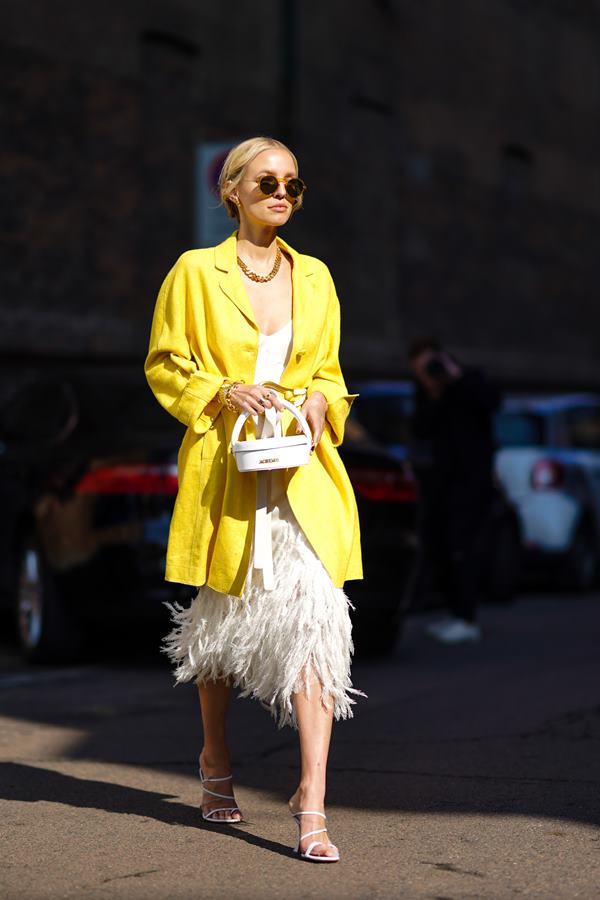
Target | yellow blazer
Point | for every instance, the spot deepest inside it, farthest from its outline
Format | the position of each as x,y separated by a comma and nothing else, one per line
203,332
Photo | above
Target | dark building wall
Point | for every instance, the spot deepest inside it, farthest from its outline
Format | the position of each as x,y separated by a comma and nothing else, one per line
475,136
451,153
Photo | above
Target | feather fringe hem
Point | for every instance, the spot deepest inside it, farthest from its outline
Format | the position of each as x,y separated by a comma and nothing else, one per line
271,644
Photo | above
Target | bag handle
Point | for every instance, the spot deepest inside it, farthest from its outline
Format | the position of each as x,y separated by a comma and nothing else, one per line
290,406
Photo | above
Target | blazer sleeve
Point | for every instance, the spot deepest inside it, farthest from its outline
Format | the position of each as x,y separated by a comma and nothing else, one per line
176,377
328,378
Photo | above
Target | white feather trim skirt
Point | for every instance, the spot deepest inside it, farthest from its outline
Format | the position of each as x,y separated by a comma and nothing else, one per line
271,644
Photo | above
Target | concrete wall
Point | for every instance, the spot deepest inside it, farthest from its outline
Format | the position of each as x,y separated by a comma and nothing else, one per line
451,153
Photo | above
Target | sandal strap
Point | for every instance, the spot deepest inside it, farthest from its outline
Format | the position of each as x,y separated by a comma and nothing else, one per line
221,809
308,852
310,833
223,778
220,796
210,780
309,813
313,844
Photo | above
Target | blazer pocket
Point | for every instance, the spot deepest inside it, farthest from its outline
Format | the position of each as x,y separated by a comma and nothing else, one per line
214,440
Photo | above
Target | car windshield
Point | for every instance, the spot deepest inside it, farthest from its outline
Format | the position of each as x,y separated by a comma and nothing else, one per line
385,417
518,429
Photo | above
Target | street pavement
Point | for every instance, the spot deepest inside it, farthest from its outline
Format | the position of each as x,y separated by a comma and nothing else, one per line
469,772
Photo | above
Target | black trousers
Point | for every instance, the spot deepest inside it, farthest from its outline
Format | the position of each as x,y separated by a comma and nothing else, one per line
455,523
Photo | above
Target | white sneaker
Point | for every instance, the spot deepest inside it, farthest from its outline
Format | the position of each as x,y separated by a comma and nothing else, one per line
457,631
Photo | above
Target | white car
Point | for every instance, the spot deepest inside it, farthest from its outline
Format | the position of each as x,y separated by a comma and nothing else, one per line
548,461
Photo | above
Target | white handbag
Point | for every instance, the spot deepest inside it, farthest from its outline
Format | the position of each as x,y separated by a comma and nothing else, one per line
277,452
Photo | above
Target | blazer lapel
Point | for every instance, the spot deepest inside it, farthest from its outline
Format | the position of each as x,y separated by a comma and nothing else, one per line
230,280
302,292
303,285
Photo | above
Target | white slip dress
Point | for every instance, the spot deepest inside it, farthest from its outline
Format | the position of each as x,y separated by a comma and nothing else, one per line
273,643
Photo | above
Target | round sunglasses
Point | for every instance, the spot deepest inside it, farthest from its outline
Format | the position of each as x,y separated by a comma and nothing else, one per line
294,187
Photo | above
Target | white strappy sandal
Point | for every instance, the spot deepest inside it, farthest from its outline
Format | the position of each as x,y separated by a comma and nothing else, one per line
306,854
230,809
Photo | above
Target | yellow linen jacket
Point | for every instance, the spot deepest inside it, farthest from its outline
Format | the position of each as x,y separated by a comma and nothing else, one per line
203,332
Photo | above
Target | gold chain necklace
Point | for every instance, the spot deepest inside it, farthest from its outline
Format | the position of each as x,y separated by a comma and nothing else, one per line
256,277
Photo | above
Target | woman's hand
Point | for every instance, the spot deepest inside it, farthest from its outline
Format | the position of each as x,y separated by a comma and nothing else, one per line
314,409
254,398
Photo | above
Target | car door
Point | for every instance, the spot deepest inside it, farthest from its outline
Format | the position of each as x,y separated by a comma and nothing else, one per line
581,430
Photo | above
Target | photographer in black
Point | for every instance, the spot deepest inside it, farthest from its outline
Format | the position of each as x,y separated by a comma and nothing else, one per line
453,413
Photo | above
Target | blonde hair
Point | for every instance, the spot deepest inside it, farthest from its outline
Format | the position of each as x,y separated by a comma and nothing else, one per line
235,165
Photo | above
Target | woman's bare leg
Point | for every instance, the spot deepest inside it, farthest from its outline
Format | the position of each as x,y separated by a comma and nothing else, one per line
314,727
214,758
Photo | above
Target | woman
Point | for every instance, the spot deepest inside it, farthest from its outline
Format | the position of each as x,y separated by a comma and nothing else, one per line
237,328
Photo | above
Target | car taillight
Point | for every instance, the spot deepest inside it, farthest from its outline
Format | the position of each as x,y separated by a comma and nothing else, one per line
384,484
130,479
547,473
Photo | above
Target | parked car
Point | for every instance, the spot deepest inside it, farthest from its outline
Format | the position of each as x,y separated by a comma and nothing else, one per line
387,497
90,521
549,464
74,556
384,409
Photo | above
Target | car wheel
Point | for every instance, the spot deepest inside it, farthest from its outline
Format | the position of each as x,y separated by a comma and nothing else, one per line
582,560
45,630
503,570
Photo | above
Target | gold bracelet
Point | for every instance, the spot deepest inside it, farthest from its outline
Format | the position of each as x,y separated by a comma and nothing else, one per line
222,390
226,395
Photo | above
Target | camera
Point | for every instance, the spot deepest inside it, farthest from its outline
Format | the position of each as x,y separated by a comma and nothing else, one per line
435,367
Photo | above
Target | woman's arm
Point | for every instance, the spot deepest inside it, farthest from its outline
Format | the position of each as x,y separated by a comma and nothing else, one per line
178,380
179,383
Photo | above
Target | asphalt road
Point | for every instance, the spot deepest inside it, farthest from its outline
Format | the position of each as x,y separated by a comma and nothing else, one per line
470,772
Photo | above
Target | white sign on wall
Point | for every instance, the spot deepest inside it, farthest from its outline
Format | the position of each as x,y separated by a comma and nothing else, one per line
212,224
